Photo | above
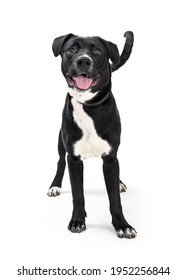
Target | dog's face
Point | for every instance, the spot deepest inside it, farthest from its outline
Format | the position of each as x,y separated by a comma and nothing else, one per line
85,61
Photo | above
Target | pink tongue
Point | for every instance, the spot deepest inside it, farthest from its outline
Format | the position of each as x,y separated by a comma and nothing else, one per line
83,82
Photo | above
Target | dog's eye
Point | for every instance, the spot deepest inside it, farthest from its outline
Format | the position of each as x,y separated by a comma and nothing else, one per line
71,50
96,51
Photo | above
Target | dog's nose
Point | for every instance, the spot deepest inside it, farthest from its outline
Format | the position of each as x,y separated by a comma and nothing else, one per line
84,62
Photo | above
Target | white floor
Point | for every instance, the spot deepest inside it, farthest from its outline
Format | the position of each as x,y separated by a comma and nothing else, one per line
150,93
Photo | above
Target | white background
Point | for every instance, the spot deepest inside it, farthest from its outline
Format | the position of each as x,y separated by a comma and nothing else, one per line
150,93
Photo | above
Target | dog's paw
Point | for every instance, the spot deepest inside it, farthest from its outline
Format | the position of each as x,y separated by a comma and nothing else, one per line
54,191
127,232
122,187
76,226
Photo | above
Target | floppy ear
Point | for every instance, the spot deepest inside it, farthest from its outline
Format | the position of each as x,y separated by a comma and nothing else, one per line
112,51
59,42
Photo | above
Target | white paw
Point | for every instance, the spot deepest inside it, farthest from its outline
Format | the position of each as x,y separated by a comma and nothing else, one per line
54,191
126,233
122,187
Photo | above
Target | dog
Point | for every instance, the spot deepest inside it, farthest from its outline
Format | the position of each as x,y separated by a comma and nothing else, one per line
90,122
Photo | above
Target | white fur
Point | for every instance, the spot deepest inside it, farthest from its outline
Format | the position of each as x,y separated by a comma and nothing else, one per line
127,233
81,96
122,187
90,145
54,191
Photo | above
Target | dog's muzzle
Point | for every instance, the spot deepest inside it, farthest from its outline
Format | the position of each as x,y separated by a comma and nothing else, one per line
83,76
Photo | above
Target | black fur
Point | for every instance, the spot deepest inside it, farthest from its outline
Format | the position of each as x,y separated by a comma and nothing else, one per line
103,111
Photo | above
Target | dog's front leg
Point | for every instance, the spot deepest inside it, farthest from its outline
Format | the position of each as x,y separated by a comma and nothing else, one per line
111,175
77,223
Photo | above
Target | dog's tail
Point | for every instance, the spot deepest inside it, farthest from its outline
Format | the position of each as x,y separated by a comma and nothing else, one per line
126,51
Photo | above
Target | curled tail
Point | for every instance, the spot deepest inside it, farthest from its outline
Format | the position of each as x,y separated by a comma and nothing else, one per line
126,51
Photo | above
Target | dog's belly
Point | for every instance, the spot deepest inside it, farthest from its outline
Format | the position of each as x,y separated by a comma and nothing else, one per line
90,145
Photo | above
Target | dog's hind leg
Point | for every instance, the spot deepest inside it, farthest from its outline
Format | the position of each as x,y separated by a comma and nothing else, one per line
55,187
122,186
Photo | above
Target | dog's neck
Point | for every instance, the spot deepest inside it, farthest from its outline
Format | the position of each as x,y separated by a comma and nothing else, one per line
99,102
91,99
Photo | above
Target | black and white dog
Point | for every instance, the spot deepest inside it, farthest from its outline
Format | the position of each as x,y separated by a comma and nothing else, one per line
90,122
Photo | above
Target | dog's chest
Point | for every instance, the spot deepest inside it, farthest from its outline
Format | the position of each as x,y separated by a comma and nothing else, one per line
90,145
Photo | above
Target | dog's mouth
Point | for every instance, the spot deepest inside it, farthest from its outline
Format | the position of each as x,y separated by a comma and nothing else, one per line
82,82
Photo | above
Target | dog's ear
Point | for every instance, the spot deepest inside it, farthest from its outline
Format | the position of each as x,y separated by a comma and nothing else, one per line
112,51
59,42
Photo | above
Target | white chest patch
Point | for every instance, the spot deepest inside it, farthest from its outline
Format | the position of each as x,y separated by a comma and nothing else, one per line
81,96
90,145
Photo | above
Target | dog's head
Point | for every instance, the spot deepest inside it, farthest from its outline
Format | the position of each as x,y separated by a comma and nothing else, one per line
85,61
